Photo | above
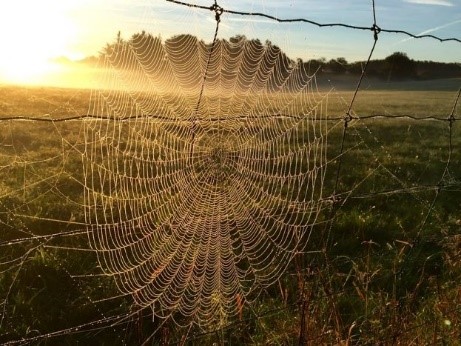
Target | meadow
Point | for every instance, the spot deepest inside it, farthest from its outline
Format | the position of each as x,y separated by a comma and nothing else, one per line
382,266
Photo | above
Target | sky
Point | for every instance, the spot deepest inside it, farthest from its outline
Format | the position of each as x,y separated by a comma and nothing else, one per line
35,33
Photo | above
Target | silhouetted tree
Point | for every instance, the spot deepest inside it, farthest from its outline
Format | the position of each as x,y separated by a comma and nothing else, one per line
338,65
315,65
399,66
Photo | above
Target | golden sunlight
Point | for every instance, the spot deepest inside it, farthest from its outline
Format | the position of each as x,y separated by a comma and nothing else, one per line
35,32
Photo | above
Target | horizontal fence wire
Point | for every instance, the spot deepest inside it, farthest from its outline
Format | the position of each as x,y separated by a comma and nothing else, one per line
318,24
338,196
162,118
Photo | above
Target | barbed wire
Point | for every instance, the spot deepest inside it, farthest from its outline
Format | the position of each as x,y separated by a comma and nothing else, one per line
373,28
338,196
350,118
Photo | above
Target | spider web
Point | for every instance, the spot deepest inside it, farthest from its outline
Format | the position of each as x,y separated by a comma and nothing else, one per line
204,171
206,175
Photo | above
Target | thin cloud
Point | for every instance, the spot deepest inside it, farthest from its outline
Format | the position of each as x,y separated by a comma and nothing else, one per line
431,2
428,31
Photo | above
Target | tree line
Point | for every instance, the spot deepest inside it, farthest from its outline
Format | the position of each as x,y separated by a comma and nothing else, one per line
397,66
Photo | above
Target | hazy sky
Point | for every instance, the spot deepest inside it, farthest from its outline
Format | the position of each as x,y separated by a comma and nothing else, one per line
34,31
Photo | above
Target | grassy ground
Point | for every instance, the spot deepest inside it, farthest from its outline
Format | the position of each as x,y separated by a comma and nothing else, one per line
390,262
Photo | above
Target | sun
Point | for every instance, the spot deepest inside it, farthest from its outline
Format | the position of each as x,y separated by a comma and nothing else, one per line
27,70
34,32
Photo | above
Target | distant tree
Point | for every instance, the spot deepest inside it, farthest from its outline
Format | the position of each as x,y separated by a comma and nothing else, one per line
342,61
90,60
315,65
356,67
399,66
237,39
145,47
113,48
339,65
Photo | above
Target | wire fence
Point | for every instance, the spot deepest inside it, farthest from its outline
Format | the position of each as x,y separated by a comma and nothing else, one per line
331,293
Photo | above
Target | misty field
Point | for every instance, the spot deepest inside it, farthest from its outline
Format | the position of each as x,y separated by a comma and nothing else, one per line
382,263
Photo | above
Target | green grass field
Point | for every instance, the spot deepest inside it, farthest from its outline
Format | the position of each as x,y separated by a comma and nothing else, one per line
383,266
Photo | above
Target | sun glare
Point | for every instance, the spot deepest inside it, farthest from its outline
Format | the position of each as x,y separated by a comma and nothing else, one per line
28,71
38,31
